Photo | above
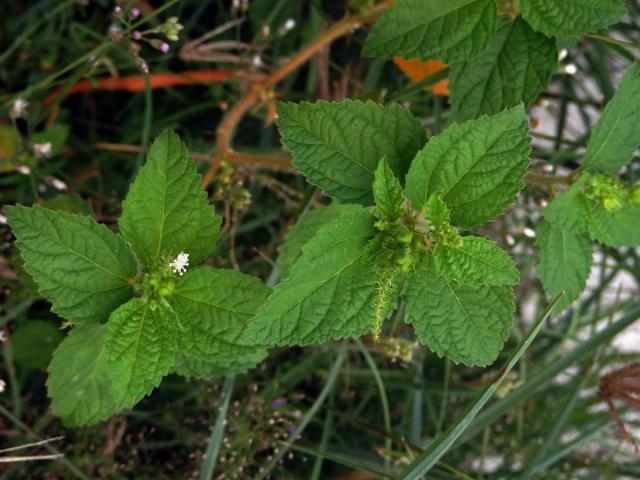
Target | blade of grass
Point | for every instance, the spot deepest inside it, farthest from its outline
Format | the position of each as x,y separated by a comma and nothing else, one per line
213,447
436,449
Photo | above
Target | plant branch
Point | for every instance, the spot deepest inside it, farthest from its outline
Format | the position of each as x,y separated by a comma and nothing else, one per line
257,92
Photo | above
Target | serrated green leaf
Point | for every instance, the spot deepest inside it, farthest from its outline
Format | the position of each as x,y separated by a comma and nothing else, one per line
570,17
564,260
387,191
436,211
464,323
141,346
166,211
337,146
79,382
81,267
478,166
616,136
616,229
446,30
304,230
476,261
570,210
33,343
214,308
330,292
515,69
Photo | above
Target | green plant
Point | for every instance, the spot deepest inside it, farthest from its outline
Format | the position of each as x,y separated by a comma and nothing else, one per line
138,312
444,232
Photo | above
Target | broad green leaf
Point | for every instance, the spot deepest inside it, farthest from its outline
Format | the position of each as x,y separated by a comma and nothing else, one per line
564,260
79,382
214,308
464,323
83,268
387,191
141,347
330,292
478,167
436,211
33,343
616,229
337,146
445,30
166,211
476,261
570,17
71,203
515,68
304,230
616,136
570,210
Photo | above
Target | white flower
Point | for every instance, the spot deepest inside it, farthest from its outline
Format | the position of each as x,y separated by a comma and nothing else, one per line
3,385
18,108
42,149
2,337
180,264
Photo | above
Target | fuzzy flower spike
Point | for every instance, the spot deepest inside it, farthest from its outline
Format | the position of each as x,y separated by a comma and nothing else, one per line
180,263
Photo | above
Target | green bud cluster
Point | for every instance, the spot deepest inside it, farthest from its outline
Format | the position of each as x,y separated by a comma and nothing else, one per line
158,284
171,28
610,193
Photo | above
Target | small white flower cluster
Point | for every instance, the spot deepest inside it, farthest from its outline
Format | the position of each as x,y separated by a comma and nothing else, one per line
180,263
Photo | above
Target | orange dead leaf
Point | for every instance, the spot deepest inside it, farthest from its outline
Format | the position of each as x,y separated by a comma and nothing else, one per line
418,70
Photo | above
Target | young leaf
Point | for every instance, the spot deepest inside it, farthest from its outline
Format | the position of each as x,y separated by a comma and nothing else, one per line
141,347
565,259
570,17
79,382
514,69
436,211
81,267
617,229
616,136
387,191
570,210
445,30
476,261
464,323
478,167
337,146
166,211
330,292
304,230
214,308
